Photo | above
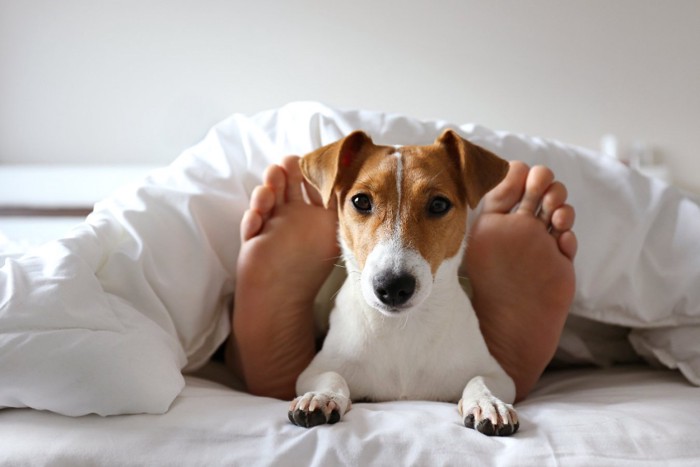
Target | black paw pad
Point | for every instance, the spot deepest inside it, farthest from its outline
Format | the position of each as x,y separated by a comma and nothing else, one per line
469,421
335,417
507,430
515,428
316,418
307,419
298,417
486,427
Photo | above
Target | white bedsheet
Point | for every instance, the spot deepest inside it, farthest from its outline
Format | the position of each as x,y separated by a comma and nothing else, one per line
589,417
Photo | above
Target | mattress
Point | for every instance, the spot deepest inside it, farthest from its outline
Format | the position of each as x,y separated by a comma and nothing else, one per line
632,415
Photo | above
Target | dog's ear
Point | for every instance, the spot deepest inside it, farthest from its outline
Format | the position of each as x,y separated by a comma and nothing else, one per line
324,167
481,169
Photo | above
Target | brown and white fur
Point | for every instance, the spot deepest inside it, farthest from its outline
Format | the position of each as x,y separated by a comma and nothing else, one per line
402,326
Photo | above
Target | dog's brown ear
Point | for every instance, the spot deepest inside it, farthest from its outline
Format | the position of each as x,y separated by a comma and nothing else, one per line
322,167
481,169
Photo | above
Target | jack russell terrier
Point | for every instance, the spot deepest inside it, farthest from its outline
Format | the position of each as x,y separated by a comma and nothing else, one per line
402,326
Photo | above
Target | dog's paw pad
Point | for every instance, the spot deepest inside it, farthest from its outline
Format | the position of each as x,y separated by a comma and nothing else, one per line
334,418
307,419
469,421
507,429
486,427
491,417
313,409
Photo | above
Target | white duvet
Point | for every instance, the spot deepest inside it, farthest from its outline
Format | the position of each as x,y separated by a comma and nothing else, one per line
106,320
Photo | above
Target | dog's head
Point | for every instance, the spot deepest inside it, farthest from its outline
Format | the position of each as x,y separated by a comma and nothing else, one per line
402,210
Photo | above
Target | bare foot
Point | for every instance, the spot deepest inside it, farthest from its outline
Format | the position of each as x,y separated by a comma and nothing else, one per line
289,248
520,264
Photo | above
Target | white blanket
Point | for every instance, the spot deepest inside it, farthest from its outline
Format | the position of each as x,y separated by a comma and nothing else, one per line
105,320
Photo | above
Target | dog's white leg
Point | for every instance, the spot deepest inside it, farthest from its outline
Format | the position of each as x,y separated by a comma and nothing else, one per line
482,410
325,399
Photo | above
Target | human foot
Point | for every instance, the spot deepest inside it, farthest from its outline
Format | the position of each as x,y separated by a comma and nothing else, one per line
520,264
289,248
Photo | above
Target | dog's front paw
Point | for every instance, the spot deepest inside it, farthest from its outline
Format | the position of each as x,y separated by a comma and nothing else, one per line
490,416
316,408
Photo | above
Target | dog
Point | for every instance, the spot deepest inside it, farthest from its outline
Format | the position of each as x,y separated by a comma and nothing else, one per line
402,327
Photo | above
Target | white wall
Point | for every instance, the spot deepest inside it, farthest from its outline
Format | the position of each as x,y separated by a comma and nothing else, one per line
85,81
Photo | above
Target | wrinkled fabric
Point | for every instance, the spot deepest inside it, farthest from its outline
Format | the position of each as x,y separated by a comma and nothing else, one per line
106,320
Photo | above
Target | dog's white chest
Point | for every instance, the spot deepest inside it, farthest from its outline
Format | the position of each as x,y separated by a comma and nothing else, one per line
430,354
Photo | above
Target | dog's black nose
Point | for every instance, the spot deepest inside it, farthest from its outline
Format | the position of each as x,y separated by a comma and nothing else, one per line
394,290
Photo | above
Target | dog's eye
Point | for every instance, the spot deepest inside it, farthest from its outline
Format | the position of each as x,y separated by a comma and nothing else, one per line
362,203
439,206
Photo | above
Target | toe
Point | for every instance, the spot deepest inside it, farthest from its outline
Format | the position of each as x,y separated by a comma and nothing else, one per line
262,201
554,197
568,244
251,224
334,417
539,179
294,178
505,195
562,225
486,427
563,218
276,180
315,418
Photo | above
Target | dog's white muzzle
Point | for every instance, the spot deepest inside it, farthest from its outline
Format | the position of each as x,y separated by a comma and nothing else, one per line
395,279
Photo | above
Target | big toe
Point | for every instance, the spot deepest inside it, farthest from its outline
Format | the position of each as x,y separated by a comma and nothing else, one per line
294,178
539,179
506,195
275,179
263,201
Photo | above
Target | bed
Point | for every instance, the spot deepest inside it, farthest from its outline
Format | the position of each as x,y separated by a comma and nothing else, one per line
110,366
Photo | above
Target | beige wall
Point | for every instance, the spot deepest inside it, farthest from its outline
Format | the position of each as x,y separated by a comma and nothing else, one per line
85,81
